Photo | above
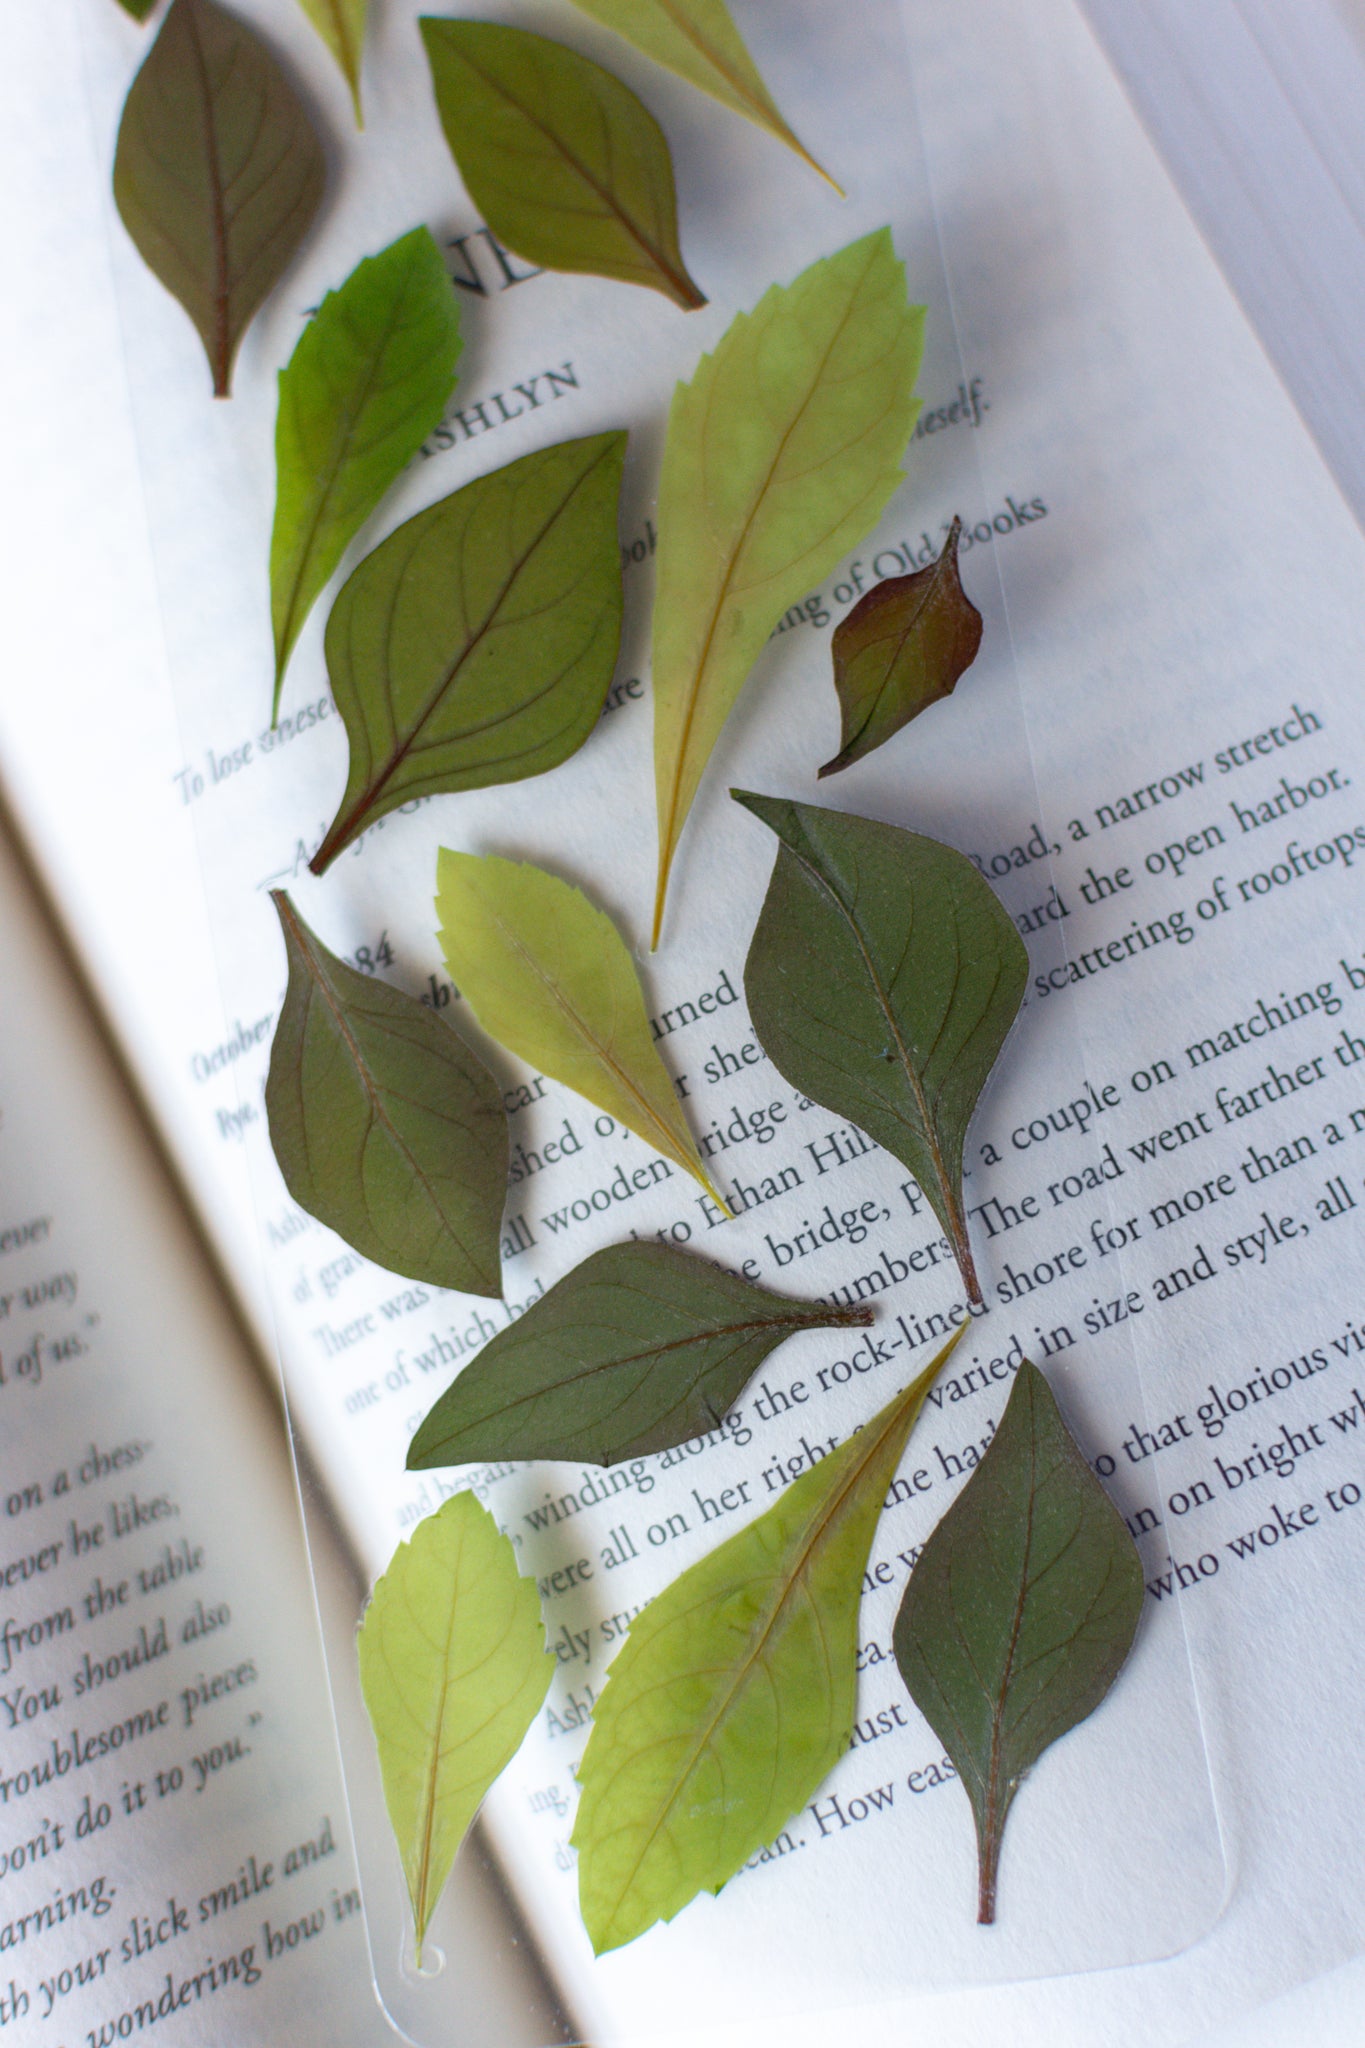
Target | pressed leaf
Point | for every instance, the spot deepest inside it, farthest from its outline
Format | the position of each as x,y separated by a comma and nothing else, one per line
564,163
639,1348
882,978
341,24
1019,1612
217,173
139,9
902,647
366,384
386,1126
476,644
548,975
453,1667
698,40
733,1693
781,453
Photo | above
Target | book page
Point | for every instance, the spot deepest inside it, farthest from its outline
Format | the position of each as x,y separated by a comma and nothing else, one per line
174,1853
817,1212
1137,570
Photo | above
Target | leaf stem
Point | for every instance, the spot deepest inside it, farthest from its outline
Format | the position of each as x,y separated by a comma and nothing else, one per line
988,1863
962,1244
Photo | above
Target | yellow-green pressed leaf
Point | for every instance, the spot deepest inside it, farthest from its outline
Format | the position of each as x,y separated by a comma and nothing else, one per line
476,644
548,975
733,1693
699,40
217,173
368,381
564,163
781,453
453,1667
341,24
1020,1612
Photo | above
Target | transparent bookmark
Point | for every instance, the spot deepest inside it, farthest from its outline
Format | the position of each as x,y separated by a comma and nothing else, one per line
1113,1855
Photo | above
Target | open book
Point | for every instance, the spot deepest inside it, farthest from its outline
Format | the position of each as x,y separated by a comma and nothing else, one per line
1155,760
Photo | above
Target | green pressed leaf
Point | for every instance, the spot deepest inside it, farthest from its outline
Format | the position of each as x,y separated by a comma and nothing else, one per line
733,1693
368,381
217,173
385,1125
882,978
639,1348
698,40
453,1667
902,647
341,24
139,9
563,161
548,975
781,453
476,644
1020,1611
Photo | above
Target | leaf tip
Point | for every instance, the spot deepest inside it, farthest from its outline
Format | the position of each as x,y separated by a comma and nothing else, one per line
761,806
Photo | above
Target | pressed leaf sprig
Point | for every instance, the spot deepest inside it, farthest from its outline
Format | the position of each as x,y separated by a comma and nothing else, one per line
454,1669
385,1125
1020,1611
732,1696
698,40
218,172
640,1347
883,976
905,644
548,975
476,644
368,380
780,454
563,161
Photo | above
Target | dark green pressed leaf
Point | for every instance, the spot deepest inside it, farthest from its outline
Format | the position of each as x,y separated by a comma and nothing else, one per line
699,41
453,1668
902,647
385,1125
1020,1611
368,381
882,978
341,24
563,161
733,1693
218,172
639,1348
139,9
476,644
